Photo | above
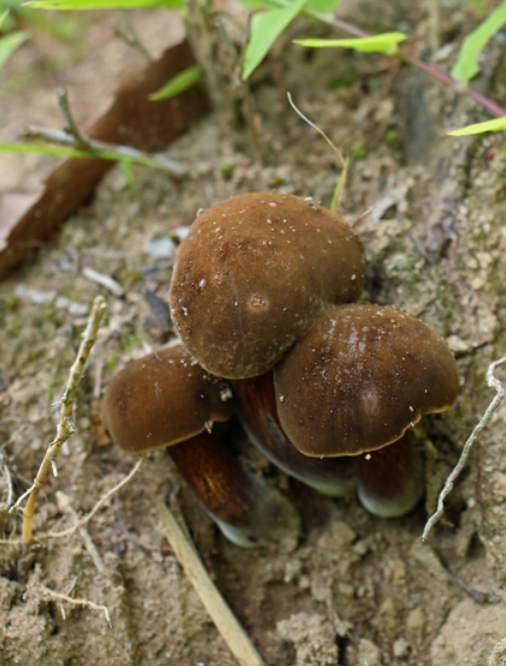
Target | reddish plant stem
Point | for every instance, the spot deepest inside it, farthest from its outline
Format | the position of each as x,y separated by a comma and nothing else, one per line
455,85
432,71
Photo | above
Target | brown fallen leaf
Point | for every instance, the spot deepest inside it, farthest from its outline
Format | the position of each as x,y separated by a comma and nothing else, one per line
27,220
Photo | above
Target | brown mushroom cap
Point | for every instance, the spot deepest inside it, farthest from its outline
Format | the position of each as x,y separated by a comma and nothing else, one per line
254,273
360,377
163,399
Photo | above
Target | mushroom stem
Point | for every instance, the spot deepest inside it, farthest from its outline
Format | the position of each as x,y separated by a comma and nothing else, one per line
391,480
245,508
257,410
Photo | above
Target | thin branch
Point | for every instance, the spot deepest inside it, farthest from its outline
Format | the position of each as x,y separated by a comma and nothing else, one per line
65,505
437,74
71,125
479,595
95,148
494,383
105,498
8,483
434,23
78,602
227,624
361,217
66,427
85,519
336,199
104,280
124,29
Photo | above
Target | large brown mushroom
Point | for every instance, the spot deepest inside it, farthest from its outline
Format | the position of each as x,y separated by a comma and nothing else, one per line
167,399
254,273
356,382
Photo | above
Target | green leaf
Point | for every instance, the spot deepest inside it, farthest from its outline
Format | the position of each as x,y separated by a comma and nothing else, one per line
9,43
81,5
3,16
265,28
65,27
467,66
496,125
179,83
7,22
385,42
43,150
126,167
339,188
262,4
323,6
59,151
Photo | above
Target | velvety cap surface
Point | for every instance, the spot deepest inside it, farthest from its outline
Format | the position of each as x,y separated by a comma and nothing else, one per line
359,378
163,399
254,273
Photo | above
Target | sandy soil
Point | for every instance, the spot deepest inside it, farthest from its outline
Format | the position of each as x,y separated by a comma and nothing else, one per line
349,588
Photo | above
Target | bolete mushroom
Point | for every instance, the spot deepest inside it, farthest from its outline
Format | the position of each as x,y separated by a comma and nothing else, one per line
167,399
357,381
254,273
256,405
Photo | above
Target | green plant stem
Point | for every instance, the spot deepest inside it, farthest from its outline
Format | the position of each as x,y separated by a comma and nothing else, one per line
102,149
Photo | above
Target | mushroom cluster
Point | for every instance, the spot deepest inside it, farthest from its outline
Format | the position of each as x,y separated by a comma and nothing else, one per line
263,297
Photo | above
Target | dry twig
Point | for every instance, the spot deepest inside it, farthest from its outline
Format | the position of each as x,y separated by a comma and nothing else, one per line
124,29
103,280
78,602
72,137
100,148
8,482
227,624
66,427
85,519
64,504
494,383
341,184
72,128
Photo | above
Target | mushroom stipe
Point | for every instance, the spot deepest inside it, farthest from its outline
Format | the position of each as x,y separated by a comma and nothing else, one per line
247,511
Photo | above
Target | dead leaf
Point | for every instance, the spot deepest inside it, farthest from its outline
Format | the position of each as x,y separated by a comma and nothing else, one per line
29,220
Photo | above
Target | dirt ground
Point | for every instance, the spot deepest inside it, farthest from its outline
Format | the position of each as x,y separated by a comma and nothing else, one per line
350,588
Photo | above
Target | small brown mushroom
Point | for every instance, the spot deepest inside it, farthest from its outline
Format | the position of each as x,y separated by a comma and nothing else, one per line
162,399
358,380
166,399
256,404
254,273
